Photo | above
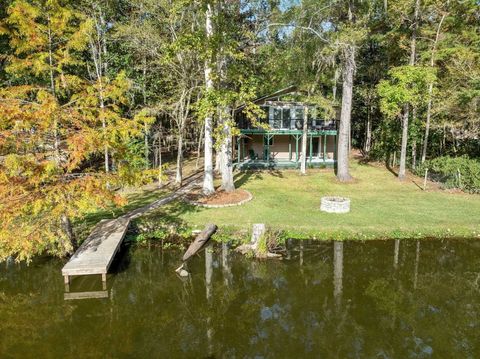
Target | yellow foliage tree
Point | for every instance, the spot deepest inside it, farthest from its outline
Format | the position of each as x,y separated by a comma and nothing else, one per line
51,127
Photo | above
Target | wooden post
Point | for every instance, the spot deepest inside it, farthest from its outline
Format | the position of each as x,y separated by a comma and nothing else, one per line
425,180
66,279
104,277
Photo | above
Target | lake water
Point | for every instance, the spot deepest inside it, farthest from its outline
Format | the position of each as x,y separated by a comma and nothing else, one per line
377,299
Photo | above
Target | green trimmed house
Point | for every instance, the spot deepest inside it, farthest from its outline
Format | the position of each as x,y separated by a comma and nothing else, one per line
277,143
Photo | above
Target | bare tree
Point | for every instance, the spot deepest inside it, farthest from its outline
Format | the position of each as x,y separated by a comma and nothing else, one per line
343,153
303,163
208,131
406,114
430,90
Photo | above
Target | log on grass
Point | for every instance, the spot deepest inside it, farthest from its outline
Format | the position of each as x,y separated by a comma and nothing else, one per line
199,242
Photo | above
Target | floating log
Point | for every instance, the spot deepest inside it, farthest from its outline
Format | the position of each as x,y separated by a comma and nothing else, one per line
200,241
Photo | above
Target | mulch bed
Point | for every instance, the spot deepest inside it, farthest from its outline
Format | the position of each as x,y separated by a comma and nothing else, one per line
219,198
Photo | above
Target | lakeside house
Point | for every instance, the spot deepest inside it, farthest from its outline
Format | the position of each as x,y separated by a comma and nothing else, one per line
276,140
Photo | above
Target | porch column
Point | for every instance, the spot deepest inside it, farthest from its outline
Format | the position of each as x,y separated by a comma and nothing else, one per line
324,148
296,148
265,144
289,148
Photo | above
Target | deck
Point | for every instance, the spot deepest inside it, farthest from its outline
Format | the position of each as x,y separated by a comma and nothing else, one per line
281,164
96,253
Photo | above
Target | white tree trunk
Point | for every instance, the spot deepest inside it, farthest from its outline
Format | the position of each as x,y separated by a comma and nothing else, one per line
199,148
430,92
303,163
368,137
179,172
160,169
208,167
403,150
218,160
427,123
343,172
226,162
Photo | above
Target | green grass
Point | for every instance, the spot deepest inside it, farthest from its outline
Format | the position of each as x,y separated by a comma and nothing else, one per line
381,207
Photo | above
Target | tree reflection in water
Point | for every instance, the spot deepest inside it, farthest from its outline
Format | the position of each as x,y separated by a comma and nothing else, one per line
325,299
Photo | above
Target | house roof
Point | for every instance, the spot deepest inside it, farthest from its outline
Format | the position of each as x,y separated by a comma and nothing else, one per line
273,95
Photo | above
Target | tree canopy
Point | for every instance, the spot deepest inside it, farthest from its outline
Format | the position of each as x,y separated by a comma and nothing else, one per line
93,93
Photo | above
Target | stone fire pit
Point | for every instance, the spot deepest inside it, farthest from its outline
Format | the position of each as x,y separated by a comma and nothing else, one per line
333,204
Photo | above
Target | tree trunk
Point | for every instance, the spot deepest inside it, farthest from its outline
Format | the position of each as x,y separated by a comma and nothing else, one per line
303,163
343,173
144,93
56,144
104,129
200,137
160,168
208,167
228,184
335,80
67,229
368,136
427,123
414,155
403,152
218,158
146,149
406,114
430,92
179,172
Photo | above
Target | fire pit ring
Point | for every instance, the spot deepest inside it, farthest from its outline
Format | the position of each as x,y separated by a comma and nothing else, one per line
334,204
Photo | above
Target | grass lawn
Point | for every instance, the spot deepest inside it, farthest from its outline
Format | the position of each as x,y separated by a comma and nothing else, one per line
381,206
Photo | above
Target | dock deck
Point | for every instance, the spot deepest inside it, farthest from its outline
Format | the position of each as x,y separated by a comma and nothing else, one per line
96,253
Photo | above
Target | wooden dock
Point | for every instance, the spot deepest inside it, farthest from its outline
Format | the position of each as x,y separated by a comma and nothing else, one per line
96,253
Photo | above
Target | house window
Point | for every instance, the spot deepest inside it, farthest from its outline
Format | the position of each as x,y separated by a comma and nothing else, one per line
299,113
276,121
286,118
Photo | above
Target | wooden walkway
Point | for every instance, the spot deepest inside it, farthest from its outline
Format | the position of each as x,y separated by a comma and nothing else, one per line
96,253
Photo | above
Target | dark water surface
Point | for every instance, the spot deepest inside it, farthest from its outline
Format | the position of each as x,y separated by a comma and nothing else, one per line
381,299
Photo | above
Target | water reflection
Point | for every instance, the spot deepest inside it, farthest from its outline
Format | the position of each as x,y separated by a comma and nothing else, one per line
337,272
325,299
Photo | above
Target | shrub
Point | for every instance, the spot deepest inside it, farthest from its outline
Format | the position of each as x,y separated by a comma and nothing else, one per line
454,172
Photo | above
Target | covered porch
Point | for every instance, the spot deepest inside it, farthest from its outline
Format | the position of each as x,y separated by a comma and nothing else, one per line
276,149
